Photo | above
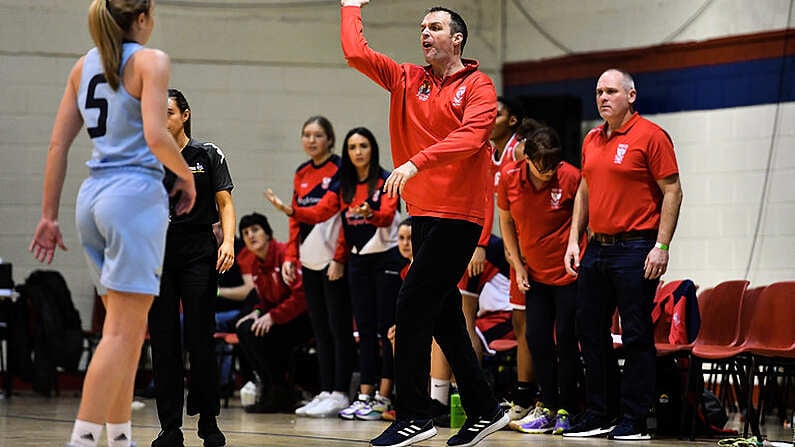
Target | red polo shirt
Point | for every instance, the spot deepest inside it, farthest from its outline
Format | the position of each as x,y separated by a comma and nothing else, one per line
622,173
542,218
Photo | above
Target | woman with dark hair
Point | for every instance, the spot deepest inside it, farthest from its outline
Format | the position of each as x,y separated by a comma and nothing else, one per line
189,285
314,244
535,197
119,90
278,322
369,221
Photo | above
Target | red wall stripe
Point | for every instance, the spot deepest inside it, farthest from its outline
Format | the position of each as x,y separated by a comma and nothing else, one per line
742,48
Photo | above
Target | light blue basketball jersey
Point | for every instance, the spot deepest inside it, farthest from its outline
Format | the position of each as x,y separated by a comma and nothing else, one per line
113,119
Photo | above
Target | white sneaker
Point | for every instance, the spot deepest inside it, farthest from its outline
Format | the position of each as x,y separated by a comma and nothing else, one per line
329,406
534,414
349,413
517,412
301,411
375,408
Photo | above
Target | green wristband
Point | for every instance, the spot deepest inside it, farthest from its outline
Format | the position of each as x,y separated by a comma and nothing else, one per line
661,246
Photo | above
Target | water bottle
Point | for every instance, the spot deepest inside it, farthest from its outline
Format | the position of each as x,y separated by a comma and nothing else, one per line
248,394
457,414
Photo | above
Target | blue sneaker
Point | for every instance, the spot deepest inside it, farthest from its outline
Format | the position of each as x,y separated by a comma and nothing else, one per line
403,433
477,428
562,422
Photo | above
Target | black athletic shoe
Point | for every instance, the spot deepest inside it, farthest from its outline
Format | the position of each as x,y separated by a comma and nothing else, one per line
440,413
403,433
589,424
169,438
210,433
630,430
477,428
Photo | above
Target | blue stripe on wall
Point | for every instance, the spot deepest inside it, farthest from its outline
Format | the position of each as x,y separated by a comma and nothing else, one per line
700,88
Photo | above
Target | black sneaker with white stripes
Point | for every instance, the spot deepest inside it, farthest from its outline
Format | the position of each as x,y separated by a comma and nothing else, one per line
403,433
477,428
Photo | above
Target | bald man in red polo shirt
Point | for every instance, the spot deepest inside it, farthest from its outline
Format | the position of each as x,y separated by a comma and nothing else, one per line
440,118
629,197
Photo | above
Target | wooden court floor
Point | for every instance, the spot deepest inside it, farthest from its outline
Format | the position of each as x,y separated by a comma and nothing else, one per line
28,420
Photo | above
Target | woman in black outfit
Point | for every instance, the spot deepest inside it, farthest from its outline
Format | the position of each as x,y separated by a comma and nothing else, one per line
190,277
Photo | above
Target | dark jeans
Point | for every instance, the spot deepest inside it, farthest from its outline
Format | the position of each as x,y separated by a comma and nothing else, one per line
429,305
269,354
189,277
610,276
374,281
330,313
550,313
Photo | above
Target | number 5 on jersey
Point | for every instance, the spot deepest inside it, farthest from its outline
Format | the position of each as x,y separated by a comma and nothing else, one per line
92,102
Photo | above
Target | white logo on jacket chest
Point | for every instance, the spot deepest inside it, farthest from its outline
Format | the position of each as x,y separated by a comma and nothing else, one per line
459,95
621,150
325,182
555,196
424,92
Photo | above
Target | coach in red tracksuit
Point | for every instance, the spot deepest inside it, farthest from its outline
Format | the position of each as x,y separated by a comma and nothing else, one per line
441,116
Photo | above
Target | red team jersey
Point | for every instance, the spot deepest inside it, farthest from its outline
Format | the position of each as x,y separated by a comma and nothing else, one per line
359,235
310,185
542,218
625,196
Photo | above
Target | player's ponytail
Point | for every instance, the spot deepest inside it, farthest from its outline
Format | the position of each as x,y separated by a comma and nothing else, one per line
108,22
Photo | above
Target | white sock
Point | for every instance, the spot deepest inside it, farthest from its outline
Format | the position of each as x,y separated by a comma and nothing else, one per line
440,390
119,435
85,434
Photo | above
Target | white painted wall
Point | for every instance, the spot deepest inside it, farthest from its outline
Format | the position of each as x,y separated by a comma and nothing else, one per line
253,70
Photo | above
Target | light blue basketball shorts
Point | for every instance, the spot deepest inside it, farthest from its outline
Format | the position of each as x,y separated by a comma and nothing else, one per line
122,218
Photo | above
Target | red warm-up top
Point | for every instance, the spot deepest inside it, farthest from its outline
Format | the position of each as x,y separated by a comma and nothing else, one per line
441,125
282,301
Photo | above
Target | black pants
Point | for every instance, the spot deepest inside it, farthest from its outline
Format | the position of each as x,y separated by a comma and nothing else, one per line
330,313
374,283
269,354
189,277
429,305
550,313
610,276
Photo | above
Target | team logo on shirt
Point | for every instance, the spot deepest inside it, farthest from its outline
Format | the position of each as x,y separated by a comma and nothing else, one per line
424,91
198,169
376,195
621,150
325,182
459,95
497,179
555,196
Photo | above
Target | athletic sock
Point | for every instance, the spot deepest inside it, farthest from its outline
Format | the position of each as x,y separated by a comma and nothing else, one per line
85,434
440,390
119,435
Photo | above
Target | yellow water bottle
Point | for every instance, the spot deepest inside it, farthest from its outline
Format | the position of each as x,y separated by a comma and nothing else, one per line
457,413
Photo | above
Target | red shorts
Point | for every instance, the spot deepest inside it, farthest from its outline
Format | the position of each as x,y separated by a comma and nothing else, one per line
517,297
